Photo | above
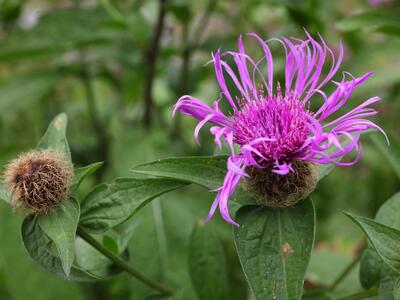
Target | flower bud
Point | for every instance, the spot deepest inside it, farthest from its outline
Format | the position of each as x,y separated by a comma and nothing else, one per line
38,180
275,190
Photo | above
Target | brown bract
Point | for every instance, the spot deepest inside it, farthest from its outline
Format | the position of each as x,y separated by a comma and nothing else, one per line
274,190
38,180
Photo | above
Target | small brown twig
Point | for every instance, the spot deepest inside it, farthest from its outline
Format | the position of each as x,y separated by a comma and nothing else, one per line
150,59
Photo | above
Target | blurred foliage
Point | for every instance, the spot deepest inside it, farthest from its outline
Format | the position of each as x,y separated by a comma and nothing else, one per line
91,59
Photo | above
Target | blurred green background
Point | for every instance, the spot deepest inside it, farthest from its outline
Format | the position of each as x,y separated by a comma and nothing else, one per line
117,67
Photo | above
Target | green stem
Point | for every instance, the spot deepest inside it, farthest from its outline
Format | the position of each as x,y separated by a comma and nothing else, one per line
361,295
345,272
118,261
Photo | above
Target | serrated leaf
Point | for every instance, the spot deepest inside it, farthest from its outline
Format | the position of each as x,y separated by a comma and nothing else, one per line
378,19
109,205
207,264
207,171
81,173
60,226
55,136
40,248
385,240
274,247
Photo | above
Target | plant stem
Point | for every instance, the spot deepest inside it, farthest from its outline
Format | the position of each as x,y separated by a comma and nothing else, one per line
150,59
118,261
361,295
345,272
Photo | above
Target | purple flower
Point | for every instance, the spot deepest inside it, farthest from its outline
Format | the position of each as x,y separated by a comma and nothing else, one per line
271,127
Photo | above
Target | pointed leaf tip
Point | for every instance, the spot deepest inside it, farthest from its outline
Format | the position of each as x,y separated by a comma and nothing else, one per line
55,136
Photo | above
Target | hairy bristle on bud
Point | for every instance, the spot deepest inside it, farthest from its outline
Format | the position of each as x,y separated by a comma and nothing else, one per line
274,190
38,180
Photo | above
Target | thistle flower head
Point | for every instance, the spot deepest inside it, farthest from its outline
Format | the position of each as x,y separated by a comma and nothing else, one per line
280,139
38,180
276,126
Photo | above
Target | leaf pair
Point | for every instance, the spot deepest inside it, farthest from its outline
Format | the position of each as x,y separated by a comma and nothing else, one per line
274,245
381,261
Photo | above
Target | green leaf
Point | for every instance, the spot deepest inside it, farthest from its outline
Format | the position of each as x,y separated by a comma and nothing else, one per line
385,240
24,277
389,211
111,244
396,289
55,136
81,173
390,152
60,226
377,19
207,171
386,288
19,92
207,264
95,263
125,231
41,248
274,247
108,205
3,192
372,268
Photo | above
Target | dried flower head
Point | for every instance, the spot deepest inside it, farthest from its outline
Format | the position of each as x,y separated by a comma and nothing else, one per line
38,180
279,138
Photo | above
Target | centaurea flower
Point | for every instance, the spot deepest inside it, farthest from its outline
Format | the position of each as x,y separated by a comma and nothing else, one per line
278,135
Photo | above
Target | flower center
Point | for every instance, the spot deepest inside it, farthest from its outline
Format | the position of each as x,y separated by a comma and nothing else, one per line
281,119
